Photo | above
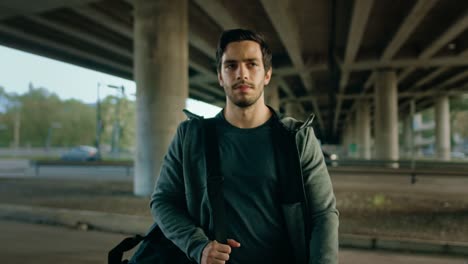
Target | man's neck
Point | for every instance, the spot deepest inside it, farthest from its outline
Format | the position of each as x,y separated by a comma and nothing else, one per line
247,117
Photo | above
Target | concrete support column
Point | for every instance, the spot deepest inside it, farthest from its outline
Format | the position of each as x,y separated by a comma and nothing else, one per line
407,135
363,129
386,116
271,94
442,122
349,142
161,76
293,109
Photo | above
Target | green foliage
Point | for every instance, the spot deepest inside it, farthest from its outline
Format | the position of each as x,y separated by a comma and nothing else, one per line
126,116
459,115
459,104
379,200
43,116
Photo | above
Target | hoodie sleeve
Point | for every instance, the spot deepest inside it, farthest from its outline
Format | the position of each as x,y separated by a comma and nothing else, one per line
321,200
168,205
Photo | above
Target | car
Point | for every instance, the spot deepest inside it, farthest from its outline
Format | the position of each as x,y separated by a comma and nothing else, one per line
81,153
330,158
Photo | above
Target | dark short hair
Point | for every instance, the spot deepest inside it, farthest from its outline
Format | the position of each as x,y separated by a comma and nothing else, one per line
235,35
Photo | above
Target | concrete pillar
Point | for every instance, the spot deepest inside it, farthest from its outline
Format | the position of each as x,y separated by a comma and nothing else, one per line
363,129
407,135
349,142
442,122
386,116
293,109
271,94
345,140
161,76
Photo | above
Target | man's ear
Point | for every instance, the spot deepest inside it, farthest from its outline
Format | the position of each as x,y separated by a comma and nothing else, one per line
220,79
268,76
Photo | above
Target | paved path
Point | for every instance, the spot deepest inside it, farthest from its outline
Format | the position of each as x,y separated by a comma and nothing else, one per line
378,257
23,243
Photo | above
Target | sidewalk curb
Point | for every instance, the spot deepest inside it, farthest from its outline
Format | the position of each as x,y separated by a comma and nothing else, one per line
404,244
110,222
130,224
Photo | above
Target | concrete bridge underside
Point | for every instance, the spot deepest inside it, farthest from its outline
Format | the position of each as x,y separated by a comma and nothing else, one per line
378,59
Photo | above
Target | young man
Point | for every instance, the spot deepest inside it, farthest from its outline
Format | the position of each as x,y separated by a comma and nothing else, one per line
278,198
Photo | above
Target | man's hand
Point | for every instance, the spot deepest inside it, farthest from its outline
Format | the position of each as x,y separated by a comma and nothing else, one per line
217,253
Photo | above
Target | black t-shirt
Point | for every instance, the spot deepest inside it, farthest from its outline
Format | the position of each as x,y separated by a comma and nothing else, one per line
251,194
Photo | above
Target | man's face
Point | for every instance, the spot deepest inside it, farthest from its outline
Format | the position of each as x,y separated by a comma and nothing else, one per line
242,74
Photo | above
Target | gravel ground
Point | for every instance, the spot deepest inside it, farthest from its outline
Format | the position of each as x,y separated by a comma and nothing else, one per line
367,211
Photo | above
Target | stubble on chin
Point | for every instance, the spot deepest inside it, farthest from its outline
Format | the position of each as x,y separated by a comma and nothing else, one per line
243,102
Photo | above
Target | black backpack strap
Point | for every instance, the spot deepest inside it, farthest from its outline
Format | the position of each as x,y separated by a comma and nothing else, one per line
115,255
215,180
155,248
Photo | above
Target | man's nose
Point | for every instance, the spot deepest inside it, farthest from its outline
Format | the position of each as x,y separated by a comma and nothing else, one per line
242,73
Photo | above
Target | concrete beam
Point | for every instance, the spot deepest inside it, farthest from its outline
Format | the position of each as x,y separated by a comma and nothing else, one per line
456,29
83,35
366,65
405,63
66,49
287,71
361,12
219,14
11,8
435,74
114,25
102,43
412,20
281,18
104,20
428,78
431,93
431,77
201,44
442,87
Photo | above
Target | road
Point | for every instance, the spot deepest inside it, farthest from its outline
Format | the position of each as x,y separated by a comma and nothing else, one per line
24,243
21,168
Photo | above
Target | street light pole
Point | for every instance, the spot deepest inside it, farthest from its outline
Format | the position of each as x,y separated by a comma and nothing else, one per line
98,120
116,129
49,134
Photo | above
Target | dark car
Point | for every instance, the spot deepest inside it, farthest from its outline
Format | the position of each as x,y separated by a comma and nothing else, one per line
81,153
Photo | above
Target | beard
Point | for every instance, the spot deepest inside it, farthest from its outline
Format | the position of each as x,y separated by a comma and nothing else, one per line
243,101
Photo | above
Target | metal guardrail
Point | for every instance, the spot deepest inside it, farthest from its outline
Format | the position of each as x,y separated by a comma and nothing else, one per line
37,164
402,163
412,168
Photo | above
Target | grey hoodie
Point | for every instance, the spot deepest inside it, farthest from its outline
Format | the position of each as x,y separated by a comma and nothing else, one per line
181,207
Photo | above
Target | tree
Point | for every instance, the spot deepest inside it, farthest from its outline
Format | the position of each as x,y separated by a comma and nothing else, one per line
459,115
46,118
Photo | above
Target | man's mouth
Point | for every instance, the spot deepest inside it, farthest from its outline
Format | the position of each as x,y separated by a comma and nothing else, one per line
243,87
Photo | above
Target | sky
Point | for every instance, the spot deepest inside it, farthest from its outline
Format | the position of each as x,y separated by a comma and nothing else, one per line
18,69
